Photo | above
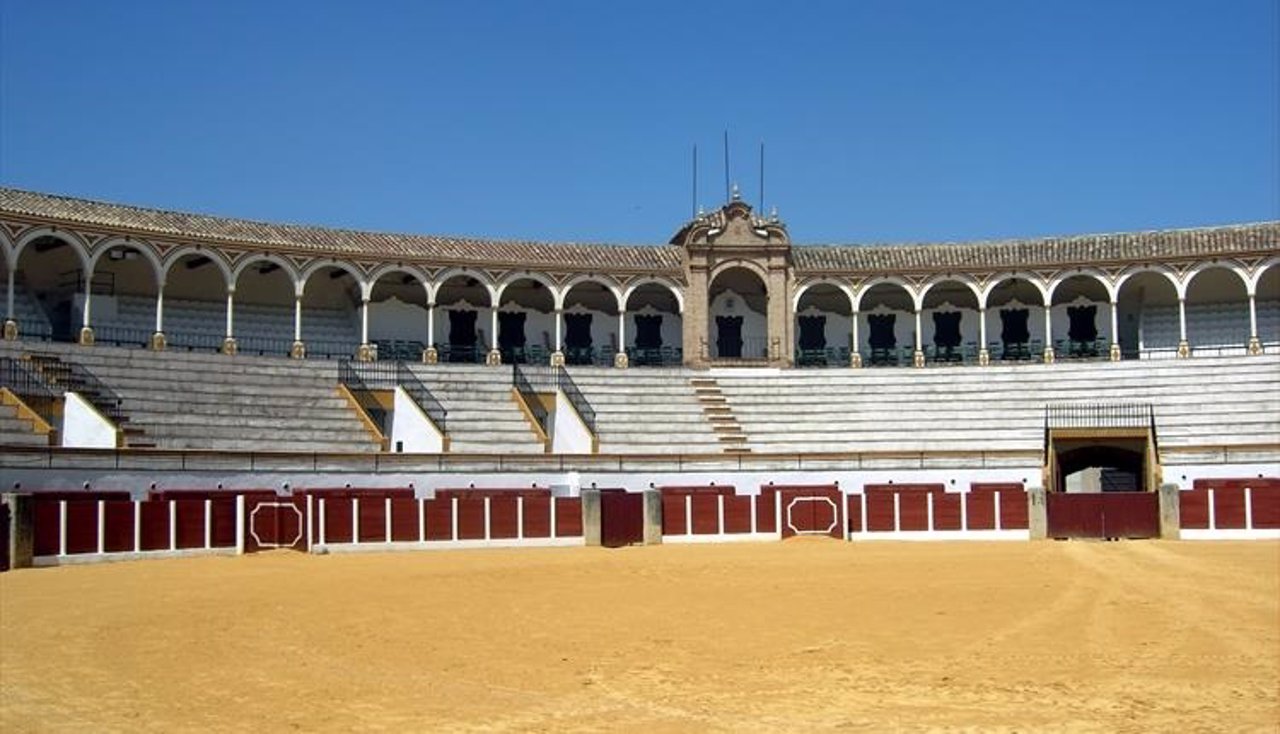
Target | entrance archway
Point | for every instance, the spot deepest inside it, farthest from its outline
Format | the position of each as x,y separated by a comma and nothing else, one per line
824,331
656,336
738,308
1217,309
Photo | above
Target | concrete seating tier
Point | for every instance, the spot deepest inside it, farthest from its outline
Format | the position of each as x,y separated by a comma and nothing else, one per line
15,431
1197,402
189,401
646,411
483,417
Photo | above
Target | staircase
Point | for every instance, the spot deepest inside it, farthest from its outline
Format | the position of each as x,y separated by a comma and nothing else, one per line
719,413
483,416
71,377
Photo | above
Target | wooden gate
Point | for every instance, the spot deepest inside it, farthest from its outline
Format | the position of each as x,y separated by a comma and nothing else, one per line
621,518
1103,515
812,510
274,522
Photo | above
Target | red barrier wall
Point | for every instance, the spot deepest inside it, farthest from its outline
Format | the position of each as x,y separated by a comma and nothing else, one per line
568,517
439,519
471,518
503,517
537,517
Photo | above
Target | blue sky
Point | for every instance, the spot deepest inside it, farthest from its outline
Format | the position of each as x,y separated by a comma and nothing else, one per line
883,121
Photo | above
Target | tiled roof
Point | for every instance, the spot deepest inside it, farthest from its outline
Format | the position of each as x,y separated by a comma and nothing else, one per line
1049,252
656,259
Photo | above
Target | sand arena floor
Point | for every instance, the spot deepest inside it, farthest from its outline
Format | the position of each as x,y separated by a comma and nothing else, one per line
798,636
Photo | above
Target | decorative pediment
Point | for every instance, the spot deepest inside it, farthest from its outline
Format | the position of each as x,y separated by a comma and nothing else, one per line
733,225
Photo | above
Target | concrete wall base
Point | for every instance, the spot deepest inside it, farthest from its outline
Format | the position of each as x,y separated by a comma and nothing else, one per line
1037,513
22,536
591,517
1170,512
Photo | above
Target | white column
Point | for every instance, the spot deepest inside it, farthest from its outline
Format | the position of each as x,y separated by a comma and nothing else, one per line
1048,327
622,331
88,298
160,308
1182,319
559,326
364,321
1115,323
1253,318
9,299
431,324
982,328
493,328
297,318
854,331
1184,347
231,310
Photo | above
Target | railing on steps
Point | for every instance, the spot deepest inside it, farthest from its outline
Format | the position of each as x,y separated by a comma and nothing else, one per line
521,382
363,394
406,379
369,376
29,388
74,377
542,378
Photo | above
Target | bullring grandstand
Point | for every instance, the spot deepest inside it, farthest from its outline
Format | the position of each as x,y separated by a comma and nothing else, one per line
178,382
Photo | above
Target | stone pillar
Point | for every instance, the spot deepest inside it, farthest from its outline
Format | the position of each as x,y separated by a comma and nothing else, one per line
365,352
652,517
1115,332
591,516
1037,513
10,323
158,341
430,355
494,357
1170,512
1184,347
855,355
696,320
298,350
557,356
917,357
620,359
984,355
229,343
86,331
1048,333
1255,344
22,525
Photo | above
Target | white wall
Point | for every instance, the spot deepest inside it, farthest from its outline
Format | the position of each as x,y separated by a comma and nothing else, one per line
411,430
84,427
569,435
672,326
395,319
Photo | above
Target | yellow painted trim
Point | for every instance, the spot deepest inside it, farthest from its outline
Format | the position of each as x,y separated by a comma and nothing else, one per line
38,425
533,423
369,425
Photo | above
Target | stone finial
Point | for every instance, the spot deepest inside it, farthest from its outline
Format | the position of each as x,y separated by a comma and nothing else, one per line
298,350
773,215
229,346
86,336
430,355
736,195
158,342
10,330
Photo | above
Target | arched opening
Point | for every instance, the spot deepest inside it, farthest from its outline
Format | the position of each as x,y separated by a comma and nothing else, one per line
1118,465
398,316
1266,306
656,336
49,289
123,307
195,303
1015,321
1081,319
460,334
590,315
1217,312
1147,306
738,308
949,323
331,318
526,322
886,325
824,329
262,319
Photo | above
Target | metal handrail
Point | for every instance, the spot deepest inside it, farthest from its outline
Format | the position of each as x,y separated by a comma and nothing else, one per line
579,401
520,381
29,387
75,377
1100,415
363,395
406,379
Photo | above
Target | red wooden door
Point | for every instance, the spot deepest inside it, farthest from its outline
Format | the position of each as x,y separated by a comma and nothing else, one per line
621,518
274,522
1103,515
810,511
